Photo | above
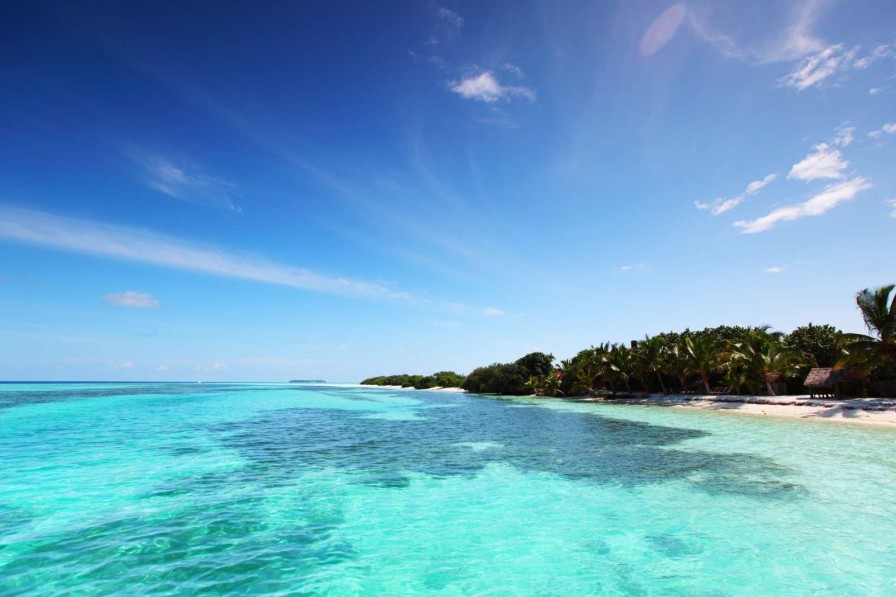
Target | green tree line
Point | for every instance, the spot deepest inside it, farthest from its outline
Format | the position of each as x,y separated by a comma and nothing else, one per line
442,379
713,360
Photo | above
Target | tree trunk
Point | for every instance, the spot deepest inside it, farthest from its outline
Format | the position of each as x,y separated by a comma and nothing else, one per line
706,384
662,385
768,387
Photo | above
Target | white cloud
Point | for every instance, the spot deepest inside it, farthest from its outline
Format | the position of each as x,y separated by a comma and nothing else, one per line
131,298
185,182
774,269
845,135
791,42
892,203
628,268
163,368
448,324
134,244
720,205
492,312
814,69
826,162
485,88
889,129
510,67
881,51
124,365
816,206
449,17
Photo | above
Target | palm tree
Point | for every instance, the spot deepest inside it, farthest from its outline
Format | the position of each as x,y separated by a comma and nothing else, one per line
651,356
879,313
702,356
762,356
676,358
586,369
618,366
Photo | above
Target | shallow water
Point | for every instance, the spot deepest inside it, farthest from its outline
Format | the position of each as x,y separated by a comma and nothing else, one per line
267,488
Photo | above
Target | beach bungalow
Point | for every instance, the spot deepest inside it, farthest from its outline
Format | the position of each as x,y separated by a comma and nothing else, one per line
825,382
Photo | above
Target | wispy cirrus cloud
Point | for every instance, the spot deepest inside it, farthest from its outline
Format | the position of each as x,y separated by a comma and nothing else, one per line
846,134
821,203
792,40
447,28
484,87
143,246
633,266
887,129
837,58
878,53
721,205
824,162
892,204
814,69
773,270
492,312
185,182
131,298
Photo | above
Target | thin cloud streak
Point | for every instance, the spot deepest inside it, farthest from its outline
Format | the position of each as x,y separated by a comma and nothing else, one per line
818,205
814,69
134,244
185,182
720,206
131,298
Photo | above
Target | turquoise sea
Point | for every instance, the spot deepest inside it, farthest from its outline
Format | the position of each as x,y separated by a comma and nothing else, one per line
342,490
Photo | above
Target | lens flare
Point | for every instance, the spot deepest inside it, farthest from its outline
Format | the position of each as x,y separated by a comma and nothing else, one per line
662,30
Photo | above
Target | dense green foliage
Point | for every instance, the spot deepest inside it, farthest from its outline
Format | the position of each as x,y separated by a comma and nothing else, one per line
821,342
713,360
442,379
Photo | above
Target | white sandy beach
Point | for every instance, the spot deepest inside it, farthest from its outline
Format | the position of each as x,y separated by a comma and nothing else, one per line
865,411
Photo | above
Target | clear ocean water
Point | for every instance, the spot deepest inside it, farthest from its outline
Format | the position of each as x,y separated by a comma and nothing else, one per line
342,490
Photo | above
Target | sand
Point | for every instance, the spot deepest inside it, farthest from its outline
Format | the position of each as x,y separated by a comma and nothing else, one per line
863,411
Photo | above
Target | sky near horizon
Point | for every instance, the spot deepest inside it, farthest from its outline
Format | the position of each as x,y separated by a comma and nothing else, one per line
245,191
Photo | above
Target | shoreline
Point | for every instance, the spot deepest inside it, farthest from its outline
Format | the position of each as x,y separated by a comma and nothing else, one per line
880,412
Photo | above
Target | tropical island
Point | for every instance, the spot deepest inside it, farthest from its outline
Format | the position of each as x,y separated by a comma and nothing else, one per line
716,361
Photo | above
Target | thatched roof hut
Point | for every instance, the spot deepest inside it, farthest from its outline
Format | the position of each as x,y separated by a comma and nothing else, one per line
819,377
833,382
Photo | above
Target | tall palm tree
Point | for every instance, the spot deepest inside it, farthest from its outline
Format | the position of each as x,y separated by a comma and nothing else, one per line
650,355
618,366
879,313
586,369
762,356
702,356
676,359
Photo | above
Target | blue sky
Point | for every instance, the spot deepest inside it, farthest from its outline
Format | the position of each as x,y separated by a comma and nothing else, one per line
261,192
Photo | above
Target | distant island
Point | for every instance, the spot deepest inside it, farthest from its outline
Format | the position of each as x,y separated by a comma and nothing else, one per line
442,379
307,381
